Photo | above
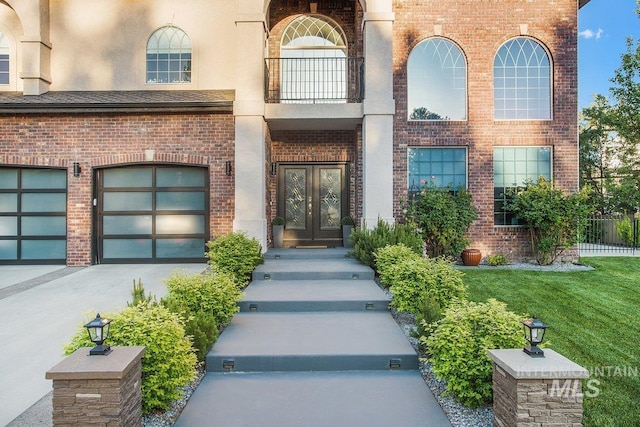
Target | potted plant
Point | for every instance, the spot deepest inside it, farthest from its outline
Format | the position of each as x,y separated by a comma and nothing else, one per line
277,228
347,228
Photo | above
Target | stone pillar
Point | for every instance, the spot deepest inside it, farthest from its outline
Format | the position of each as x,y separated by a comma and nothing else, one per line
379,110
536,392
250,134
98,390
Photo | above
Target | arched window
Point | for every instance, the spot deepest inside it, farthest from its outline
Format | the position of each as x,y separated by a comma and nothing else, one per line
437,81
314,61
522,81
169,56
4,59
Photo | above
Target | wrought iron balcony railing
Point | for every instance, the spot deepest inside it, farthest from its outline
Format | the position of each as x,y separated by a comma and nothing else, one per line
314,80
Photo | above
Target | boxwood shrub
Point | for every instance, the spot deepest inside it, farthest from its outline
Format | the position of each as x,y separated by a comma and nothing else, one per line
235,254
169,362
458,346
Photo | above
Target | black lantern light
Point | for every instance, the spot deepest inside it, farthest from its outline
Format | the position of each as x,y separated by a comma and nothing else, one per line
534,331
98,330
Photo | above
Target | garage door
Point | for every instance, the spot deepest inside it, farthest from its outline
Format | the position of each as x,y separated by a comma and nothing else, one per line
152,214
33,216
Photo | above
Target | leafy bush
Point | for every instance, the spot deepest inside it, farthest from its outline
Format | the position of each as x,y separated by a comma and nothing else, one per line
553,218
278,220
497,259
347,220
200,327
366,242
235,254
443,216
169,362
430,313
390,255
624,228
459,344
214,293
412,279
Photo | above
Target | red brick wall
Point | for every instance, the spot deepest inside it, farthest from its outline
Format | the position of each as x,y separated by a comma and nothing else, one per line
479,28
118,139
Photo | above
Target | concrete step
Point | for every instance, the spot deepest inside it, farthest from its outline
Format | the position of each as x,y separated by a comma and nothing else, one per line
313,269
311,341
306,253
313,295
313,399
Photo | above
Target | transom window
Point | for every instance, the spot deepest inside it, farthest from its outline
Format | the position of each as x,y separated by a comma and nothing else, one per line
438,166
522,81
437,81
314,61
512,167
169,56
4,59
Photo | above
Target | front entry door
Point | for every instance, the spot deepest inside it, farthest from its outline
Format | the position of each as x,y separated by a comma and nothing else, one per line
312,198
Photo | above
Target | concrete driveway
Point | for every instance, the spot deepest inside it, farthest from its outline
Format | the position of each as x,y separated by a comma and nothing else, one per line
41,308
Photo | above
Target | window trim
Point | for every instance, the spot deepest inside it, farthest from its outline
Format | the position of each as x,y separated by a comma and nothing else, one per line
191,60
466,82
551,80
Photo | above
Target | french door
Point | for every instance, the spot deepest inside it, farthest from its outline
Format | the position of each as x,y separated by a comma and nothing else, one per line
312,198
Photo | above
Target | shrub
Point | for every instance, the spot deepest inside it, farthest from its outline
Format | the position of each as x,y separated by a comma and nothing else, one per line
138,295
553,218
200,327
278,220
413,279
497,259
347,220
235,254
624,228
169,361
459,344
443,216
366,242
214,293
390,255
430,313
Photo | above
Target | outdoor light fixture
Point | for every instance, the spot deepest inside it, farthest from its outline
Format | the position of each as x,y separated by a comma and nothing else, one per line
274,168
534,334
313,7
98,330
227,168
76,169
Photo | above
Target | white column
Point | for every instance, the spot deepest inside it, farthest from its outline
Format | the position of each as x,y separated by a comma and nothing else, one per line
377,126
250,173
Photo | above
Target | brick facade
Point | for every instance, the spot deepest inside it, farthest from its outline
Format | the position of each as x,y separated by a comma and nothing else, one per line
106,140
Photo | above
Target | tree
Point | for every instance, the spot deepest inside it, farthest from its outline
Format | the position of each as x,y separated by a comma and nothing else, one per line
422,113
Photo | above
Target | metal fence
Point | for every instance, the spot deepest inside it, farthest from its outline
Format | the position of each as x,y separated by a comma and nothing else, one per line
314,80
615,234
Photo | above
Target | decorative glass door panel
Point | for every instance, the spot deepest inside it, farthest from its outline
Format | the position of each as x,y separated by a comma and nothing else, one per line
312,198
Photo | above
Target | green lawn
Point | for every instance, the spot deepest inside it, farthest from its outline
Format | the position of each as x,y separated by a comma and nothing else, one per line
593,318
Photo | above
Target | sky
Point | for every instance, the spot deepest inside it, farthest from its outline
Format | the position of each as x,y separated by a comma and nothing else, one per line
603,27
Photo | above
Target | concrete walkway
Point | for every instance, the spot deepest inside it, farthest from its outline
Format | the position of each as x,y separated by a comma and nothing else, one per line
40,309
314,346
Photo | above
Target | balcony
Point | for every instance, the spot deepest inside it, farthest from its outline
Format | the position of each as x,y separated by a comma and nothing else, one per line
314,93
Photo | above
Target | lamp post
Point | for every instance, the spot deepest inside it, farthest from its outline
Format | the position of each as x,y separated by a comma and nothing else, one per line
534,331
98,330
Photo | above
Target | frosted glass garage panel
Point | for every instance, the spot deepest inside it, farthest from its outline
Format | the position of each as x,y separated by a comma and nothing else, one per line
128,201
180,224
8,178
8,249
8,226
180,201
44,179
127,224
180,177
44,226
44,202
127,248
44,249
180,248
127,178
8,202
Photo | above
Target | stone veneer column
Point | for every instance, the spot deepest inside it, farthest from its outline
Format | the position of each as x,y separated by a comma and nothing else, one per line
98,390
536,392
248,109
379,109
